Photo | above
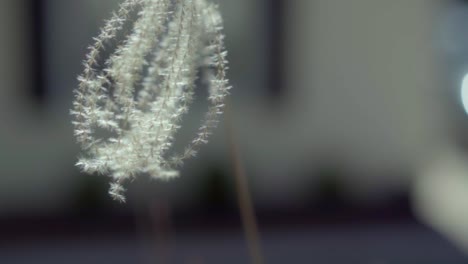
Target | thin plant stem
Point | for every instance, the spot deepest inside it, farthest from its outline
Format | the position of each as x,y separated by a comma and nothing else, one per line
244,199
153,225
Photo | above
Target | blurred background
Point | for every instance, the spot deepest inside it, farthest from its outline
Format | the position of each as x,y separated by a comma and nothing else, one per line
350,116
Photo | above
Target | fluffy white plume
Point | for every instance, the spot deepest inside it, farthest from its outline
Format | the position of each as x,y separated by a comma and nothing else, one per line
128,107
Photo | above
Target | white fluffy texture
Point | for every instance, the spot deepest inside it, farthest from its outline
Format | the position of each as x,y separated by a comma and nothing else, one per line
138,95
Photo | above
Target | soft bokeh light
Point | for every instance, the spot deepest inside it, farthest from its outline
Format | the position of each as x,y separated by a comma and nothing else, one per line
464,92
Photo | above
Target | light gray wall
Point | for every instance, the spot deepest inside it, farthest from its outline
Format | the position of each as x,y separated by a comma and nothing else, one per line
366,91
34,156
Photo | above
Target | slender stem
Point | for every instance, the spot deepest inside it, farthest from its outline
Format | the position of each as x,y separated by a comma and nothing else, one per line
161,218
153,224
244,199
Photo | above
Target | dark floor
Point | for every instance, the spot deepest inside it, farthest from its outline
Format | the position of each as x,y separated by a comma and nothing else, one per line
388,234
366,244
